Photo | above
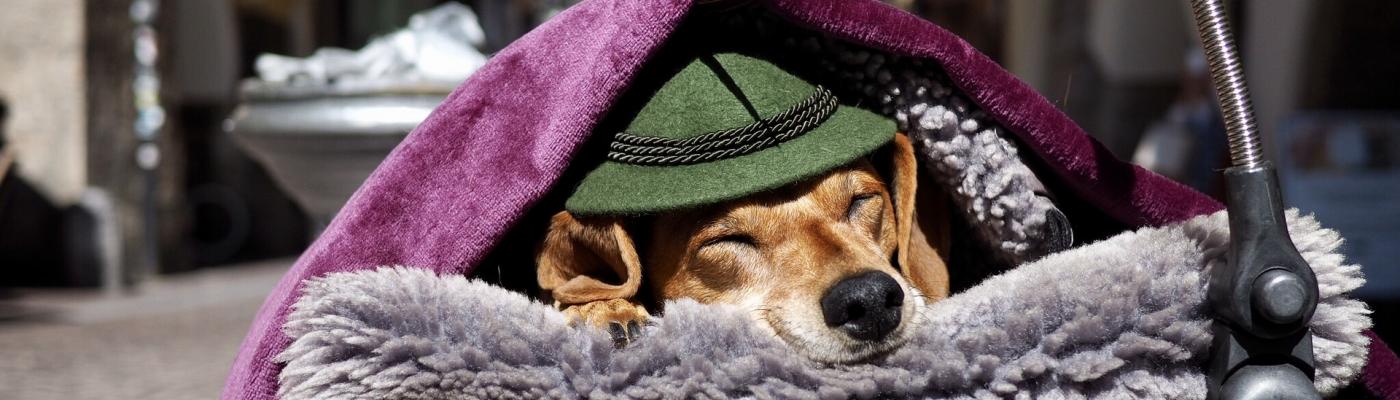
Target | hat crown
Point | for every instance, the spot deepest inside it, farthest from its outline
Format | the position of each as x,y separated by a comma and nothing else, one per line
718,92
719,127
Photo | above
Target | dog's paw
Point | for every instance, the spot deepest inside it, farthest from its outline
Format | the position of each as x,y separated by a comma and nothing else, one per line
621,318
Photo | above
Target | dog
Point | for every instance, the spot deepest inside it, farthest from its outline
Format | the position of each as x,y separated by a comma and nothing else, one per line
837,266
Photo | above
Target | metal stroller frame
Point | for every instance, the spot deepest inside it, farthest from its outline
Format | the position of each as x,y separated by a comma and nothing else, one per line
1265,297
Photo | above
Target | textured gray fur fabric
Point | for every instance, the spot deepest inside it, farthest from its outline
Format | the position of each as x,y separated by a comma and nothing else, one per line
1121,318
963,149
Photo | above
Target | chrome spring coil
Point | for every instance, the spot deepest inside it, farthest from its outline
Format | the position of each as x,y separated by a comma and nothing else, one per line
1230,89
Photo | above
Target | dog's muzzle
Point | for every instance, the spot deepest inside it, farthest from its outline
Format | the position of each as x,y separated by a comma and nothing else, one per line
865,306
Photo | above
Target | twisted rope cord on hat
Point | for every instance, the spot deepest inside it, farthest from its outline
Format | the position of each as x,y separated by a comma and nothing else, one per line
656,151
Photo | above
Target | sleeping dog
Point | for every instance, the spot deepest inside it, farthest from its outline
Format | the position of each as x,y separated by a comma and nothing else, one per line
836,265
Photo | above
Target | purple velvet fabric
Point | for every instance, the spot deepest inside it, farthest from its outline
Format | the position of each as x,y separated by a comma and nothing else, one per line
455,186
1382,374
448,192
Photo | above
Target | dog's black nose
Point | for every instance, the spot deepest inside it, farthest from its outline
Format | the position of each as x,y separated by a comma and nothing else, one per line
865,306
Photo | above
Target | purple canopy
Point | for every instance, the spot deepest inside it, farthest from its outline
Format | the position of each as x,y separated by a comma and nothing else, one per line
446,196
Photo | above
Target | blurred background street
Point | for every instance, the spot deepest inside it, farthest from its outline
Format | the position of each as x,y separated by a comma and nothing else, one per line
174,338
162,163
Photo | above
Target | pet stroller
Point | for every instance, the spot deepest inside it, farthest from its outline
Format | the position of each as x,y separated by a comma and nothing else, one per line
381,305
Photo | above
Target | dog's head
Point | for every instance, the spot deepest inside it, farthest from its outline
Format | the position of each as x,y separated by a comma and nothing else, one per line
837,266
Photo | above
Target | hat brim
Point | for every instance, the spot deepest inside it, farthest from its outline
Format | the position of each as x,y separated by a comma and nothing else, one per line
623,189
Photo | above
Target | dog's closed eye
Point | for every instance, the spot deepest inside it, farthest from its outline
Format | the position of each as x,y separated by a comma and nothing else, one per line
858,204
865,213
736,239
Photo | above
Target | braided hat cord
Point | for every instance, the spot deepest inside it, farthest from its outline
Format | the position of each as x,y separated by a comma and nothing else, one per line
627,148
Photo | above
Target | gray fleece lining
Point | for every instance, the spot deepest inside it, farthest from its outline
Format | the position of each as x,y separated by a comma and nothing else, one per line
1121,318
960,146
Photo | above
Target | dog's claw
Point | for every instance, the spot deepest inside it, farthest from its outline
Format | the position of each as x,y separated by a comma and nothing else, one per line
624,336
619,335
621,319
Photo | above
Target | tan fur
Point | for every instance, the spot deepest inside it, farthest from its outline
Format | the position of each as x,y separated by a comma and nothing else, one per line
601,313
774,253
587,261
924,252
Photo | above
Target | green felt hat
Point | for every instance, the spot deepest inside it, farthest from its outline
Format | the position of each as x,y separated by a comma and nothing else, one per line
723,127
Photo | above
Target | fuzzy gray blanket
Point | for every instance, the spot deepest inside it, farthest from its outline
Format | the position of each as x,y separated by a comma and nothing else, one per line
1121,318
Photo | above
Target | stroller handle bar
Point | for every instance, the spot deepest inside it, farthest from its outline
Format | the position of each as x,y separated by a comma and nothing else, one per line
1228,77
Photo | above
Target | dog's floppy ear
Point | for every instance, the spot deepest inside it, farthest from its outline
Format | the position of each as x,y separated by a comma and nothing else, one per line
921,221
587,260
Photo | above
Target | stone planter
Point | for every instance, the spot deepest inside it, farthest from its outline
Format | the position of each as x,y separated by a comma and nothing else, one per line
320,144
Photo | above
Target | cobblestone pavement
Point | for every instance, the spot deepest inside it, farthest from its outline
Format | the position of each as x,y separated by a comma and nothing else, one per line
175,338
